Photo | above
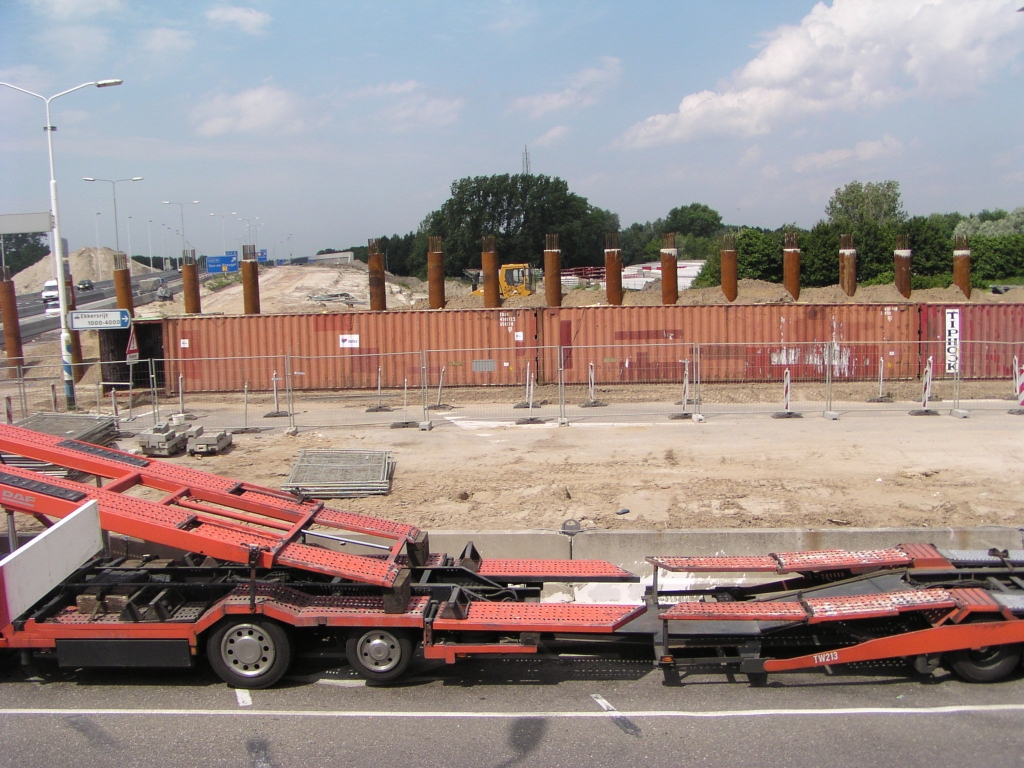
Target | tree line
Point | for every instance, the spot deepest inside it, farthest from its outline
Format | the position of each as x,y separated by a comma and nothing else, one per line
520,209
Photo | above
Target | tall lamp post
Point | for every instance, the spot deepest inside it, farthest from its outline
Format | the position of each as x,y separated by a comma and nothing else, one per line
223,238
181,210
113,189
57,248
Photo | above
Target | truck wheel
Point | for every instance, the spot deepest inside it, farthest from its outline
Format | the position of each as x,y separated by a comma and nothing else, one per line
248,653
986,665
379,655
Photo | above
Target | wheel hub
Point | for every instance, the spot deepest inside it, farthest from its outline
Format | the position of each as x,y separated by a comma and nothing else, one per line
379,651
248,650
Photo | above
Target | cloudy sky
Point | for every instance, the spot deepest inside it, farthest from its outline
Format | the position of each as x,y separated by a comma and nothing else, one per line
333,122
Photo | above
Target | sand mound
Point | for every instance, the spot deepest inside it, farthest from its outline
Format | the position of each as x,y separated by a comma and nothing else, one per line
84,264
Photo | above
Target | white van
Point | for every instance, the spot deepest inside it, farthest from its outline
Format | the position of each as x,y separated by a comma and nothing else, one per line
50,291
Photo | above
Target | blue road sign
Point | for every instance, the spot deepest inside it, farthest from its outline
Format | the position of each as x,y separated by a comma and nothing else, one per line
99,319
227,263
262,255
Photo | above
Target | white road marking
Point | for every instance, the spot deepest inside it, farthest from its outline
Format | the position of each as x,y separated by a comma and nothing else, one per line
244,697
603,702
639,714
622,722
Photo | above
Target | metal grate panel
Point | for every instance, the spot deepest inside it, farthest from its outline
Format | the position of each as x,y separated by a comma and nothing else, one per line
745,611
541,617
328,474
715,564
554,570
875,606
833,559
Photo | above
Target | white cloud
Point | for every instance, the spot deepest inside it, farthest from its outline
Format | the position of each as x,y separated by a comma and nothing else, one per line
166,40
513,17
268,109
585,88
862,151
249,20
752,155
387,89
422,110
551,136
76,42
75,9
852,55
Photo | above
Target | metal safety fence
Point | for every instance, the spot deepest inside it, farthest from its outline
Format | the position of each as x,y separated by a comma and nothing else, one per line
621,383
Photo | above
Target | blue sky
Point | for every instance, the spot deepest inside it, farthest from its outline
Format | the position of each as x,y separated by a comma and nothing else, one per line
333,122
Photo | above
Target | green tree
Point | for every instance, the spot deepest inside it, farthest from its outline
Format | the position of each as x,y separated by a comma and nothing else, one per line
24,250
855,204
695,219
519,210
759,255
819,262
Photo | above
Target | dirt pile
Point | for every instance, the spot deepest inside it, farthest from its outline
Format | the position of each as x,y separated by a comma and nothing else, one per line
85,263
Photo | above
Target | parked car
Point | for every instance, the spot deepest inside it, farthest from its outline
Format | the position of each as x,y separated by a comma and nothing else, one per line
50,291
85,285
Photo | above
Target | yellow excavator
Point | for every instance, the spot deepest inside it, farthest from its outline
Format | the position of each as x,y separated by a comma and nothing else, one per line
513,280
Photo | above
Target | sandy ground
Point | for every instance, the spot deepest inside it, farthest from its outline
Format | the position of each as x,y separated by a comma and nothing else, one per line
745,472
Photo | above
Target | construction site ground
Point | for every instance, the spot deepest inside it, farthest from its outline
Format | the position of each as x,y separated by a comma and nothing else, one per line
871,469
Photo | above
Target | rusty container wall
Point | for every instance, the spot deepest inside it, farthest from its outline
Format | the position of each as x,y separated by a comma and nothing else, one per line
435,273
190,282
12,325
669,269
791,265
552,271
729,267
489,268
962,266
628,343
375,270
847,265
612,269
250,281
901,265
990,336
345,349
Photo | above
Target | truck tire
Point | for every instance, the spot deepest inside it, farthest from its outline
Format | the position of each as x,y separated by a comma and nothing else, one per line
986,665
379,655
249,653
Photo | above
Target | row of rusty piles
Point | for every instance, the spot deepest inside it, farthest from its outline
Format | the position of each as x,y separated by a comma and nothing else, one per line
847,266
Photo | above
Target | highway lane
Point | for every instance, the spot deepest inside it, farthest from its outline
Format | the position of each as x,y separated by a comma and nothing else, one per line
30,304
543,712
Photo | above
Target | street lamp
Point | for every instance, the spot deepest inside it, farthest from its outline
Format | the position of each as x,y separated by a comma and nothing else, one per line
113,188
223,239
57,248
181,210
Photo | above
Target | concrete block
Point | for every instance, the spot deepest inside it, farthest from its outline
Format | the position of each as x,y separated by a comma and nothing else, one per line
504,544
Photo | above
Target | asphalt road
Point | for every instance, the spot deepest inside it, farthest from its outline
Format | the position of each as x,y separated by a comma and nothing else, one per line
538,712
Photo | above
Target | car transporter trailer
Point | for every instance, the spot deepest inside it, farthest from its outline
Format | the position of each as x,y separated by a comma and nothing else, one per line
257,587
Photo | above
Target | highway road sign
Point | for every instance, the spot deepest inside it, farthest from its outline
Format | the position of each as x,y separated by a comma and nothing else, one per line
99,319
228,263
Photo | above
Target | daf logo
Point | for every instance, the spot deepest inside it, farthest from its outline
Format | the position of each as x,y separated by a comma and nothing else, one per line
18,498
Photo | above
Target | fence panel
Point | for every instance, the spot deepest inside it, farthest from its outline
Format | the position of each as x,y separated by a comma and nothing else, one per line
752,378
497,384
363,391
622,381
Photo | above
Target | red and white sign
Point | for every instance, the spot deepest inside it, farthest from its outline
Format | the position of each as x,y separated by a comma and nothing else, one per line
1019,372
132,353
926,387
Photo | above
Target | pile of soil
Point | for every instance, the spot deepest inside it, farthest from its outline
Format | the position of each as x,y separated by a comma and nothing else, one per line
85,263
